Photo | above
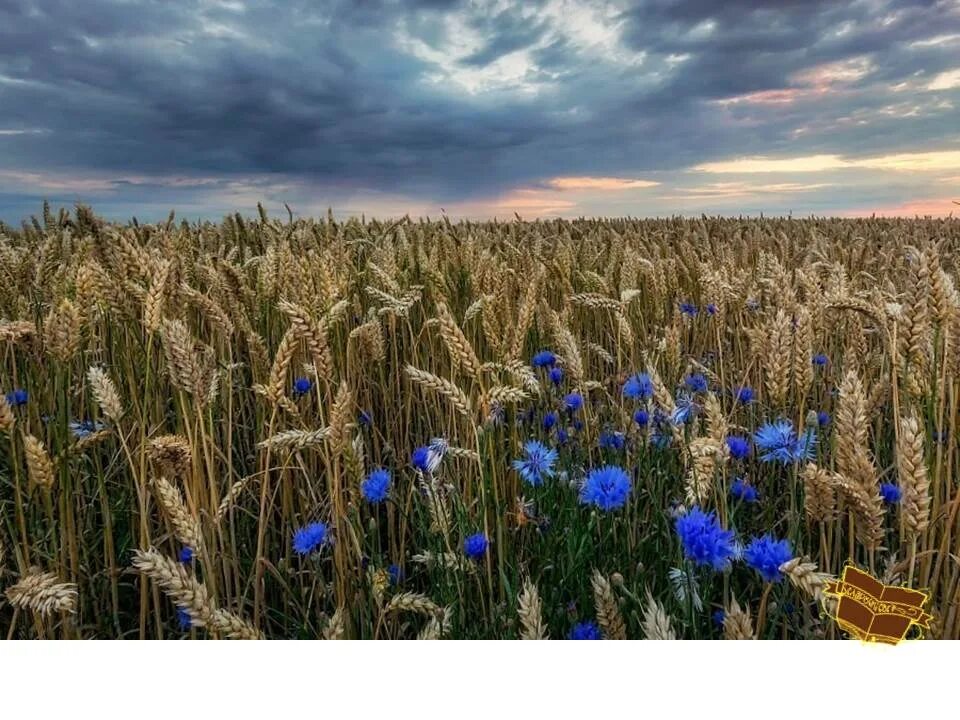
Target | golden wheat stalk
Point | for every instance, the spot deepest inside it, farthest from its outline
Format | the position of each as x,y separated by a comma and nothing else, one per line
915,505
704,453
737,624
277,383
777,357
505,395
608,611
341,418
89,441
190,595
39,466
819,496
438,626
172,453
335,628
803,574
185,525
295,439
7,418
414,603
189,370
441,386
230,499
313,334
530,609
61,330
154,301
858,481
105,393
656,622
460,349
43,593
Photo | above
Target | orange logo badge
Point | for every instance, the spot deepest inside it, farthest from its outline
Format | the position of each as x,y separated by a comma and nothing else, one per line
874,612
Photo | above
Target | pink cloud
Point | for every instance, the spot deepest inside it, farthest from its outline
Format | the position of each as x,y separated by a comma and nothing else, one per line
826,79
937,207
598,183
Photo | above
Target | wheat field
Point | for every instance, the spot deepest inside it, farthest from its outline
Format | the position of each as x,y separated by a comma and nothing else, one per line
592,429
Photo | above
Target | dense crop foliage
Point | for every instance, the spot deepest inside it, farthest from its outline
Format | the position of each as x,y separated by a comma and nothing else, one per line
362,429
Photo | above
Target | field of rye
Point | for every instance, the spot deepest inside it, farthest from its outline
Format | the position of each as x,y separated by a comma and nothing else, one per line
591,429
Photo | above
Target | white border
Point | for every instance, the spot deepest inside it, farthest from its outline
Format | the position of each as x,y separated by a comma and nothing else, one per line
494,680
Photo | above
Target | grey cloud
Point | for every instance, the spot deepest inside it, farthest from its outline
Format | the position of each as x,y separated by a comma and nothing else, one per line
322,93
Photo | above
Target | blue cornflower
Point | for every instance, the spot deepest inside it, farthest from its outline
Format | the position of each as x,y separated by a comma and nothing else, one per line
17,397
704,541
544,358
85,428
475,546
556,375
820,360
365,418
766,555
301,386
584,631
184,620
779,443
738,446
745,395
608,488
573,402
578,424
549,420
186,555
309,538
696,382
537,465
395,574
612,440
638,387
718,617
641,418
823,418
688,309
744,491
685,409
419,458
427,457
711,309
562,436
891,493
377,486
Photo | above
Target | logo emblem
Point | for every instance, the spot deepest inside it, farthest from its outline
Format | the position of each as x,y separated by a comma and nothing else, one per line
874,612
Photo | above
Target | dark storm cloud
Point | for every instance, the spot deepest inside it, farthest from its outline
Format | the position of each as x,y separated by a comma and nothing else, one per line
454,100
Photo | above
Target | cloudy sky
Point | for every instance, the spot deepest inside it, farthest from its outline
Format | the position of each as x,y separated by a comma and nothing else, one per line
480,108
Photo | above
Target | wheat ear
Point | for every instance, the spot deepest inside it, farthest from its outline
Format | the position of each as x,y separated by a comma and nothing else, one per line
529,608
656,622
608,611
105,393
39,466
43,593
